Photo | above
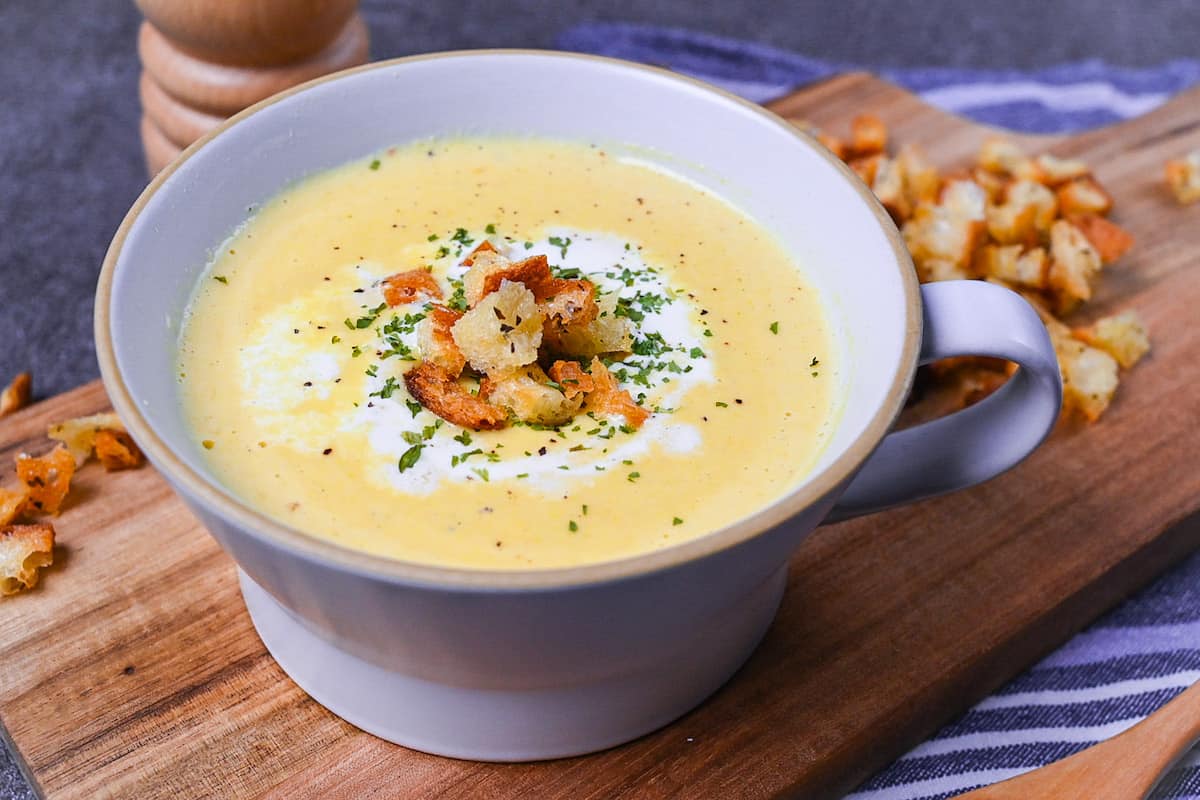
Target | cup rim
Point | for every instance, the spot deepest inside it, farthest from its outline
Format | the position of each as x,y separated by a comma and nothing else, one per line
310,547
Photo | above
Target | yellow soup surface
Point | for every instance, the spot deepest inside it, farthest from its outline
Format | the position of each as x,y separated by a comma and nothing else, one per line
291,364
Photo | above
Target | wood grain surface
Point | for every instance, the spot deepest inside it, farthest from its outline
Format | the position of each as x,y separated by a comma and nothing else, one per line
133,671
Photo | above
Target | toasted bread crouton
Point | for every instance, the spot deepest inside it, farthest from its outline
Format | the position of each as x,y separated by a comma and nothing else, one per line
868,135
571,377
116,450
436,342
948,232
483,247
441,393
79,434
1083,196
1009,264
1005,157
888,187
568,302
866,168
607,333
1183,177
1122,336
1074,265
527,394
994,184
1024,194
12,504
1089,377
47,478
503,331
410,286
835,145
490,270
1057,171
921,179
17,394
609,398
24,549
935,269
1110,239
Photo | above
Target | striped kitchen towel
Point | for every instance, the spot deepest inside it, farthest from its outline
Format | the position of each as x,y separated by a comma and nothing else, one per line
1144,652
1067,97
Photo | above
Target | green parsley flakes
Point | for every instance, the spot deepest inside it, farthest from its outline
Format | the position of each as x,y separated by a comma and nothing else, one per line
375,164
572,526
410,457
775,327
221,279
677,521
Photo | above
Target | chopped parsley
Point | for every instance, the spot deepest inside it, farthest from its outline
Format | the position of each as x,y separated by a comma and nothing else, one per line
433,237
708,332
463,438
490,229
676,521
442,252
335,339
481,472
221,278
387,390
720,404
572,526
696,352
375,164
774,327
561,243
413,406
633,476
410,457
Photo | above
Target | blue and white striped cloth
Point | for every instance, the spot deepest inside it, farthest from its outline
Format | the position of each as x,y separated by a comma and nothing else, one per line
1141,654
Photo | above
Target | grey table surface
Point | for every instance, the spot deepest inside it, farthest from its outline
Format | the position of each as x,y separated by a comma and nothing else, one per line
71,161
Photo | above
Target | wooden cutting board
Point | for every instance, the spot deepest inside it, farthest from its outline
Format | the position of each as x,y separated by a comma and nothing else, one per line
133,670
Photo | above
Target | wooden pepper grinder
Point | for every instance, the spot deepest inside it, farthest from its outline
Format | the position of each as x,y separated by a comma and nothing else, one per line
205,60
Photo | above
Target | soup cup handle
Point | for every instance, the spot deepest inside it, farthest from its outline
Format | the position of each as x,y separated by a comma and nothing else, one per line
965,318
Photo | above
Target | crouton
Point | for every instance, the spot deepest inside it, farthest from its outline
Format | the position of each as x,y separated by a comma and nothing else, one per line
408,287
1123,336
24,549
47,478
866,168
568,302
1074,265
440,392
833,144
1057,171
948,232
935,269
607,333
888,187
1023,194
1183,177
868,135
116,450
12,504
483,247
1089,377
608,398
17,394
993,184
1083,196
1005,157
921,178
503,331
571,377
527,394
79,434
490,270
1009,264
436,342
1110,240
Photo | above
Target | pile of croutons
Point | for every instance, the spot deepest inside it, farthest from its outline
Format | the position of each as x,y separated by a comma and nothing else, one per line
26,538
526,336
1038,225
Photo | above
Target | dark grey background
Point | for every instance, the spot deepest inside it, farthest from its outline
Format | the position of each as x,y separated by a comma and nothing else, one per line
71,162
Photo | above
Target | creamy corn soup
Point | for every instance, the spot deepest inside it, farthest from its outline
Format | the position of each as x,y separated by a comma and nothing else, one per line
300,352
